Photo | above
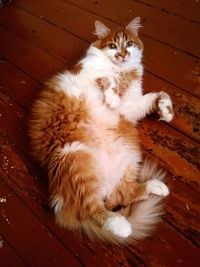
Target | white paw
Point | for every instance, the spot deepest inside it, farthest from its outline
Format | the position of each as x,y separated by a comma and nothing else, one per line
111,98
165,107
118,225
157,187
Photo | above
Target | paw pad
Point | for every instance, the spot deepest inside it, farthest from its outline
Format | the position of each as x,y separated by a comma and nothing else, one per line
165,109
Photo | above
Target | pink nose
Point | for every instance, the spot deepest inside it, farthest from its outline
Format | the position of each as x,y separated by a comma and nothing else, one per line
123,54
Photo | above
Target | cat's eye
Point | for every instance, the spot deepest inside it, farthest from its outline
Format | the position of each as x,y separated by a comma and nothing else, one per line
129,43
112,46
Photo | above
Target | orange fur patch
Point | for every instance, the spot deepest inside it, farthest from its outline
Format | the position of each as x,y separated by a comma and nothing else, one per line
58,119
76,69
113,37
122,83
55,122
103,83
125,79
129,133
129,191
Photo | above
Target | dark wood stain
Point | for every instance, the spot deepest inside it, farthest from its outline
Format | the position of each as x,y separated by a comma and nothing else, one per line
36,43
191,154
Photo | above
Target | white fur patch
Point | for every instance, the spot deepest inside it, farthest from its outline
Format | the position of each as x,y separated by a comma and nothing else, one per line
73,147
119,226
157,187
57,204
111,98
70,84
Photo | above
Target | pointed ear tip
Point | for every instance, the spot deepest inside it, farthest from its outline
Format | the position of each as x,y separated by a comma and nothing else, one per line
98,22
137,20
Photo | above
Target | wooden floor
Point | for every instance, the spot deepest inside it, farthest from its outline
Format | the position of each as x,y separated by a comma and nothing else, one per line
40,38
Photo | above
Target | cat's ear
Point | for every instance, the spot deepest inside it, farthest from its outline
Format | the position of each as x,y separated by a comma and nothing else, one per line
134,25
101,30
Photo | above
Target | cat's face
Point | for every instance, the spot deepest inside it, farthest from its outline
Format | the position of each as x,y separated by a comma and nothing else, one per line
120,46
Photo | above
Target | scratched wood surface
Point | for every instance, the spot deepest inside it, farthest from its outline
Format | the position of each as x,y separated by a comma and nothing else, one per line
40,38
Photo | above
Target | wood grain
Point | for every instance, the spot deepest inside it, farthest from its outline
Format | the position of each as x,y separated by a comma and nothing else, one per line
41,38
183,75
188,10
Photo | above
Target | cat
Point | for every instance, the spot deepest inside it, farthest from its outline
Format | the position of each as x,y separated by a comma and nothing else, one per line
84,132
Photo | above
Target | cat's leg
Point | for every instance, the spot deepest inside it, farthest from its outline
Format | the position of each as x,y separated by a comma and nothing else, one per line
164,107
137,109
107,85
110,221
111,97
74,192
130,190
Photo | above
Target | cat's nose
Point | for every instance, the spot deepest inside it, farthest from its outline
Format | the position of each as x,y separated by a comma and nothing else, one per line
123,54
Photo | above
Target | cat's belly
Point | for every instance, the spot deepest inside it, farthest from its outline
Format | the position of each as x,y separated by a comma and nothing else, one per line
112,158
112,153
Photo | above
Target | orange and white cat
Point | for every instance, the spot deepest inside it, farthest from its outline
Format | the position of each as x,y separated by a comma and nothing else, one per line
83,131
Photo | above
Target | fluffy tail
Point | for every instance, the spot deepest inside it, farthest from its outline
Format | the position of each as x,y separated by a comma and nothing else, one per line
142,216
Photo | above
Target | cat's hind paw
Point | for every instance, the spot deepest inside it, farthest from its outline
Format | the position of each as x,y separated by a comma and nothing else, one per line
157,187
118,225
165,108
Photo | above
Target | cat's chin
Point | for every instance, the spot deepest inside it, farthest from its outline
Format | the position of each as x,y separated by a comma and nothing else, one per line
121,63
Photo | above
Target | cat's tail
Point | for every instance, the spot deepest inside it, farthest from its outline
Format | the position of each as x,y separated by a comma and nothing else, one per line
142,216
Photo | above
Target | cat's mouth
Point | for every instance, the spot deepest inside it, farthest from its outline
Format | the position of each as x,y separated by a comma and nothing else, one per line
122,61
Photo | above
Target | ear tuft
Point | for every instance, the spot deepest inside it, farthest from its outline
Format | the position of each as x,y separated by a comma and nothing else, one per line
101,30
134,25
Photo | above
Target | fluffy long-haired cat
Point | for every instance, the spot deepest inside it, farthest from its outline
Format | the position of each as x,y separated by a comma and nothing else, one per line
83,130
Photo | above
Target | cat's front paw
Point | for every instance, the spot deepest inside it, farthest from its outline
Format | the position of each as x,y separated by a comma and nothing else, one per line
157,187
118,225
165,108
111,98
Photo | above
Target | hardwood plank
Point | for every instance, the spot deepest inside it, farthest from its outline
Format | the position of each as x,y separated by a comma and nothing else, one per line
158,25
186,106
173,251
183,8
184,73
21,88
33,194
28,63
189,148
187,170
31,239
24,90
164,238
8,257
187,110
171,147
182,205
11,85
20,84
160,140
68,47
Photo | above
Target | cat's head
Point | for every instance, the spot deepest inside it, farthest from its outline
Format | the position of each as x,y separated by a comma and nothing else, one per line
120,46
